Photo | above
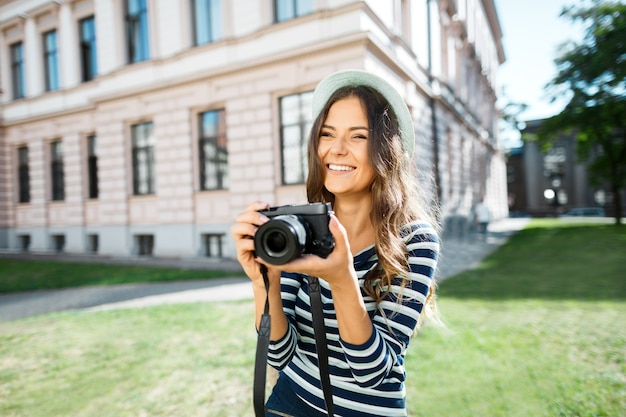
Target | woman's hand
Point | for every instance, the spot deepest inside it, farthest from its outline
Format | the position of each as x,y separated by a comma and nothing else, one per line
243,231
337,268
353,321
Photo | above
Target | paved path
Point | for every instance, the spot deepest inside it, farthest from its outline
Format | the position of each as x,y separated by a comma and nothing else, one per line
457,255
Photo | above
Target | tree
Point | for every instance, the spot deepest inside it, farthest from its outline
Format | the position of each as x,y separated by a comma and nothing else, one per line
592,74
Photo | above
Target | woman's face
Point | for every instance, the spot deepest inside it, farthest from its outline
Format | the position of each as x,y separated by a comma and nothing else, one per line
343,149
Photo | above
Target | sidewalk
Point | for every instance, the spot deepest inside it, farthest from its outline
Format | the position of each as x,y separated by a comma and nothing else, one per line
457,255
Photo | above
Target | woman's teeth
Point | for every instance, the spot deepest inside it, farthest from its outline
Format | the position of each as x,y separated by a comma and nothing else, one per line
333,167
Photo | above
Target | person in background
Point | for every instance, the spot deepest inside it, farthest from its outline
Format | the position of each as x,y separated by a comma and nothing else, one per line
482,217
378,282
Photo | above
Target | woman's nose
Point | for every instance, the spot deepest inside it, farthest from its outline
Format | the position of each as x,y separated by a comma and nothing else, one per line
338,146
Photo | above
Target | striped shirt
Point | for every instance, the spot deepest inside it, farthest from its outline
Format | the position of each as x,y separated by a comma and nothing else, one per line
367,379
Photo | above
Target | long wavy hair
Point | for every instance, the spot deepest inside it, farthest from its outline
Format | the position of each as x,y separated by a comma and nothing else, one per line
397,198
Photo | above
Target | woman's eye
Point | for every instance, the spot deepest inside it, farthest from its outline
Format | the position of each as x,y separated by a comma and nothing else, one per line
325,135
360,137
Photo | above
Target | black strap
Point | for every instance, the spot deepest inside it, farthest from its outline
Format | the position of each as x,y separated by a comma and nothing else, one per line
321,344
263,341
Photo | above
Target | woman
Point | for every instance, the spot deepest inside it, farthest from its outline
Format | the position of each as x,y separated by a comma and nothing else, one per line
379,276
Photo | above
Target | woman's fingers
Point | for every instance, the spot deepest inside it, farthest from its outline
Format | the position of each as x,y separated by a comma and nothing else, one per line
246,245
243,230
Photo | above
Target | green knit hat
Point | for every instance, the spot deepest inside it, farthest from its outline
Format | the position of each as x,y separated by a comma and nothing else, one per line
353,78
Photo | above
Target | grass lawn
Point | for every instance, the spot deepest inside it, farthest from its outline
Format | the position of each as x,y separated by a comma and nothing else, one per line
21,275
537,330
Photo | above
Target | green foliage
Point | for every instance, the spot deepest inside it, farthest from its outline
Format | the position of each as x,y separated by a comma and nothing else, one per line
593,75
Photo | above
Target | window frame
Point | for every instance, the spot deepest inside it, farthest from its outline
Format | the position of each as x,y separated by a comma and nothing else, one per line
23,175
212,19
24,242
57,174
208,242
148,150
144,244
137,32
88,49
218,162
18,70
92,167
58,242
304,123
294,12
93,243
51,60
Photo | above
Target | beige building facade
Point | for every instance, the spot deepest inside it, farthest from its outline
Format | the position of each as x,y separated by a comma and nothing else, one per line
142,127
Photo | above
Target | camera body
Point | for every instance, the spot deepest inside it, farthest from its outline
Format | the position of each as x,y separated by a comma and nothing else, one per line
294,230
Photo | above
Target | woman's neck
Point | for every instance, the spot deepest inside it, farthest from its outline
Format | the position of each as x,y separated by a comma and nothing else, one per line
354,215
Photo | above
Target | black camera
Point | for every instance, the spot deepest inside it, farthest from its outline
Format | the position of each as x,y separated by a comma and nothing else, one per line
294,230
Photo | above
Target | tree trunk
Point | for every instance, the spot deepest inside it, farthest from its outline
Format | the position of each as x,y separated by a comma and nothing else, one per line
617,204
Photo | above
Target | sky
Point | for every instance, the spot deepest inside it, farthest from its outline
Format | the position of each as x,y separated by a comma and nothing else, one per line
532,32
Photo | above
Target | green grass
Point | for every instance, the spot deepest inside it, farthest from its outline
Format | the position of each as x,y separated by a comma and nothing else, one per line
550,260
183,360
514,345
21,275
521,358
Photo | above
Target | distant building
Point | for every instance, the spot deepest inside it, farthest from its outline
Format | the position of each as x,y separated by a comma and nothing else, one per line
142,127
551,183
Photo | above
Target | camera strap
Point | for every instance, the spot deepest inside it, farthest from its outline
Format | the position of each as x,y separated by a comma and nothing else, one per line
263,339
321,344
262,346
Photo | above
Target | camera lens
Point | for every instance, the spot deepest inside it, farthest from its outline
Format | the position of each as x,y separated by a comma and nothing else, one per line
281,239
276,241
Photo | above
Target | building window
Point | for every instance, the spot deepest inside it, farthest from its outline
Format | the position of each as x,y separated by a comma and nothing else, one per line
88,56
92,166
290,9
56,170
58,243
92,243
138,41
207,21
24,242
23,174
51,60
17,70
295,124
144,245
143,159
213,244
213,151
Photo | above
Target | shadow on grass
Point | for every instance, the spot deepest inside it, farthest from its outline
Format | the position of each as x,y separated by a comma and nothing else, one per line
550,260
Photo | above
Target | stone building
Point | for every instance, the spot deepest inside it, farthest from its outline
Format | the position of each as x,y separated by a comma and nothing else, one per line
552,182
142,127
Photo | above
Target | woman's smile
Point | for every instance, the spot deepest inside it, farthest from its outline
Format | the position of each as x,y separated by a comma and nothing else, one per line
340,168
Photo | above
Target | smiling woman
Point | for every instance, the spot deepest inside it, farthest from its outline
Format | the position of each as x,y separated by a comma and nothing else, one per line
378,278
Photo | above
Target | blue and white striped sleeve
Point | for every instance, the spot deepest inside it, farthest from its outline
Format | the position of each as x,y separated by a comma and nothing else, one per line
280,352
397,315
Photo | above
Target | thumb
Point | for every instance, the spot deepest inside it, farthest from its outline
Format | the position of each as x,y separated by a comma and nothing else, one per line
337,230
